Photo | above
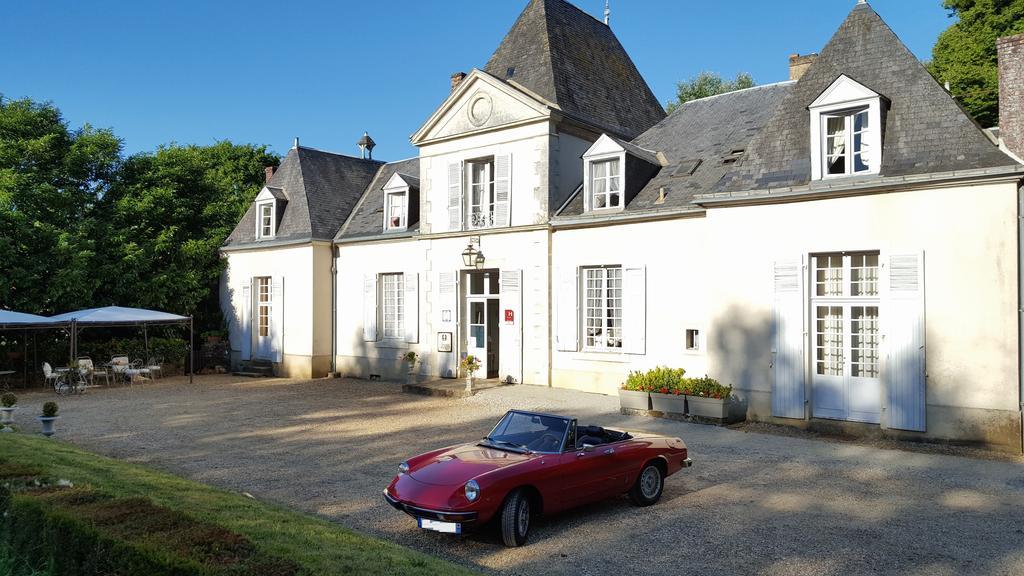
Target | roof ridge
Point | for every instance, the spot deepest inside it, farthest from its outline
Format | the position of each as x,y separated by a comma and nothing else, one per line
349,156
731,92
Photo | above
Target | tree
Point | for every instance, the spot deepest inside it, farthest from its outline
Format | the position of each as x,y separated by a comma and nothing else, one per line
965,54
707,84
169,213
51,181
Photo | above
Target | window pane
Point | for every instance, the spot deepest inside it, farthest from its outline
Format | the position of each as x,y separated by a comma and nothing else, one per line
600,169
828,275
864,275
860,121
836,126
613,167
829,340
394,305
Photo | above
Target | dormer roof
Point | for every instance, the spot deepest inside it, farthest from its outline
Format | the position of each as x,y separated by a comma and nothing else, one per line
573,60
365,221
320,188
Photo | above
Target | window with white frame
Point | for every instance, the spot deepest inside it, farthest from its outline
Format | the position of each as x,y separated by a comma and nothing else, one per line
845,304
395,210
692,340
265,220
605,184
603,308
847,142
481,193
846,130
393,310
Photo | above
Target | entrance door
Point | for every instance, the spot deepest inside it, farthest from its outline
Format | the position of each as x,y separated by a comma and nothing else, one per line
482,308
264,314
845,379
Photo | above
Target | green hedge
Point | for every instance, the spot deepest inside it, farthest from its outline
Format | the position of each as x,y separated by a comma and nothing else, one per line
81,532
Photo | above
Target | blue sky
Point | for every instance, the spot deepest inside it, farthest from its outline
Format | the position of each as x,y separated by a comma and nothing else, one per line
196,71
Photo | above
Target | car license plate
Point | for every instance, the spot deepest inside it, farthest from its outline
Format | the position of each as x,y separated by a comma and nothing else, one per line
437,526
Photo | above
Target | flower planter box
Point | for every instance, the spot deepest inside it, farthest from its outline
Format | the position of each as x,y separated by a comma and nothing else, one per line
668,403
710,407
634,400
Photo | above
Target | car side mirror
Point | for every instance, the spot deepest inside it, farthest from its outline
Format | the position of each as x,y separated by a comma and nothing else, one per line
588,447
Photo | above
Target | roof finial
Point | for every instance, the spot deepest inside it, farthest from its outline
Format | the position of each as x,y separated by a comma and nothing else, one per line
366,145
296,143
607,13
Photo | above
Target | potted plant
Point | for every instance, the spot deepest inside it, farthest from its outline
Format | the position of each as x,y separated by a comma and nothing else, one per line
470,364
8,403
667,390
709,399
411,358
49,415
635,394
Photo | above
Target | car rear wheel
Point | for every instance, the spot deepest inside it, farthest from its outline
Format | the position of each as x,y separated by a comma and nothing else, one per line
649,485
515,519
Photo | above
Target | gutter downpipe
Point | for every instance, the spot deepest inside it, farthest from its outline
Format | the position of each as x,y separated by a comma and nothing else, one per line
334,310
1020,309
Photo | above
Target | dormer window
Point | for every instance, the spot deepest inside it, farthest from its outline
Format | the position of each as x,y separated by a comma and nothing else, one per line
605,184
847,142
265,224
394,211
846,130
401,202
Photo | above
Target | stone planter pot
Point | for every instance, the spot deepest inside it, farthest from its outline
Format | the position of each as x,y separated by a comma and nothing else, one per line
410,376
634,400
7,415
469,384
47,422
710,407
669,403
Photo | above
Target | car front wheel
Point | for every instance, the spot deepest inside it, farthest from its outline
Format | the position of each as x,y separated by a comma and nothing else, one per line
515,519
649,485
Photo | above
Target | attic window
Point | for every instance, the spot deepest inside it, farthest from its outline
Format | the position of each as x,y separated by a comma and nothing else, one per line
265,222
510,72
687,168
733,156
846,131
395,210
605,184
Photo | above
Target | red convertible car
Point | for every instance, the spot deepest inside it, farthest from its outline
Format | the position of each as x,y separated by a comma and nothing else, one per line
529,464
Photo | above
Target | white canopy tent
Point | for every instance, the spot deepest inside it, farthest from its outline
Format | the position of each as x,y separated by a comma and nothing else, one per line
117,316
11,321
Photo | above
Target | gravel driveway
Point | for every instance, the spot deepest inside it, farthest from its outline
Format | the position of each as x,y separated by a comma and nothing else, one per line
752,503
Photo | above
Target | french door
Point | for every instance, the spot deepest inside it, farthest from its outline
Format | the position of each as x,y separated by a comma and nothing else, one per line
845,313
264,316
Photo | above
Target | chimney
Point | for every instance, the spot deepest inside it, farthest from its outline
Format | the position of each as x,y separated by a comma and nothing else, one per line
1011,93
457,79
268,173
798,64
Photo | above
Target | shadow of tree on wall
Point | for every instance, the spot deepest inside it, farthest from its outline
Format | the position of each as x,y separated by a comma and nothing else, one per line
741,351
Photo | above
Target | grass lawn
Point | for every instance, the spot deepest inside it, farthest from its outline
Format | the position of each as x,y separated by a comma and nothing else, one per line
317,545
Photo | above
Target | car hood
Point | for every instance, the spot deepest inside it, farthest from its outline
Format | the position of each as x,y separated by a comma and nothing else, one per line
461,464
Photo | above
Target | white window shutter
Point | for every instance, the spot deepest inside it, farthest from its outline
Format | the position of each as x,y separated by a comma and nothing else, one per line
245,321
510,357
904,319
370,308
455,170
447,321
502,190
788,367
411,314
277,321
634,310
567,313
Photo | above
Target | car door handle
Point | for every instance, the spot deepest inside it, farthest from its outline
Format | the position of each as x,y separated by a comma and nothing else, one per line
609,451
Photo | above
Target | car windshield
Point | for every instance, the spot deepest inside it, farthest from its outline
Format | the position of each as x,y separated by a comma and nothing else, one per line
529,432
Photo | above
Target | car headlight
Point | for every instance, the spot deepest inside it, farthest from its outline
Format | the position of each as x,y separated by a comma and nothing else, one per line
472,490
403,468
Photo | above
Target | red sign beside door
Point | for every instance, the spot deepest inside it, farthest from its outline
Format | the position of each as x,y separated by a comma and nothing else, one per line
510,317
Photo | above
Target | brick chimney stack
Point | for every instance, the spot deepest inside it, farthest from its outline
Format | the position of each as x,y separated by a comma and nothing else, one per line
1011,93
798,64
268,173
457,79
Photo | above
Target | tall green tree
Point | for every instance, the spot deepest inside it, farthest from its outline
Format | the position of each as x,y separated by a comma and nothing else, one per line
965,54
169,213
52,179
707,84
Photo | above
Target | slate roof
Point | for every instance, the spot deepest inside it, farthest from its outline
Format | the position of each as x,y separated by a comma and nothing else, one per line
367,220
575,61
706,130
322,188
926,131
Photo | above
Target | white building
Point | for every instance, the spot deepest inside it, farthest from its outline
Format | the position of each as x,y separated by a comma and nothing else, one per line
842,248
